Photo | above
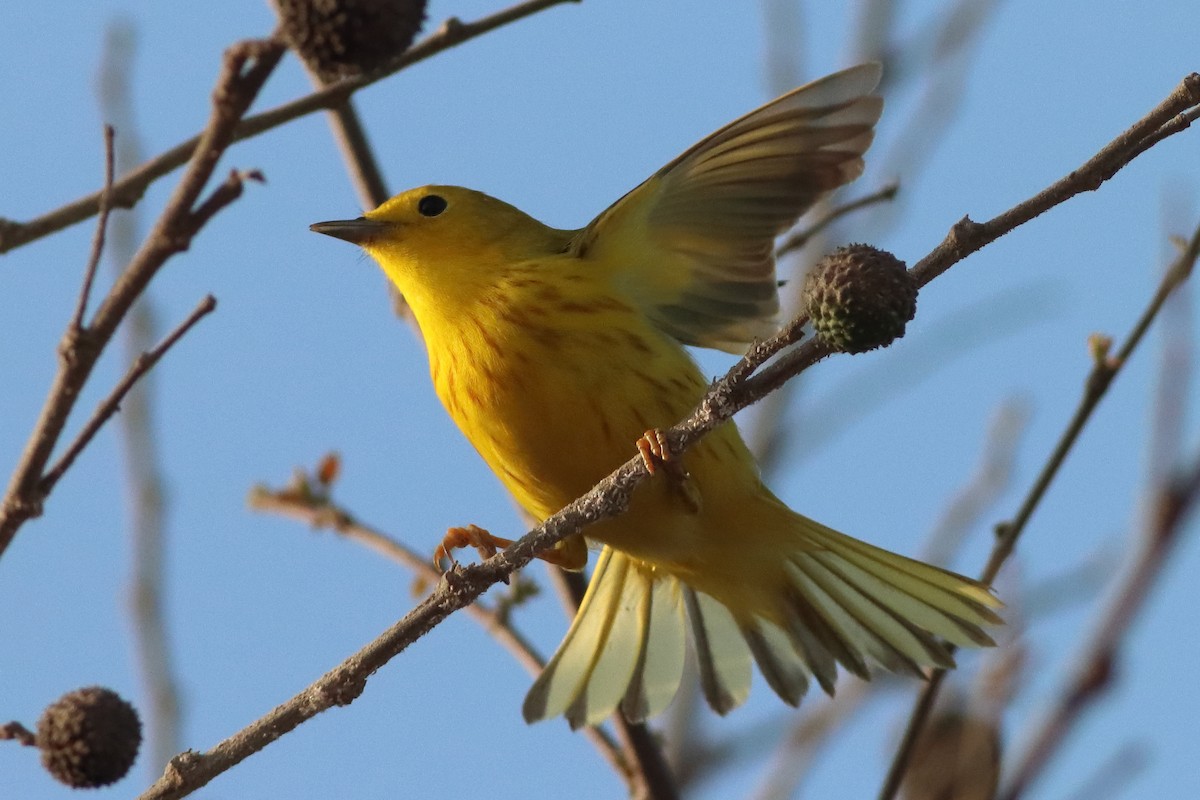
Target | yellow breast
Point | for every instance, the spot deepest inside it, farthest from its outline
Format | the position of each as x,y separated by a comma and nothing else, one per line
554,381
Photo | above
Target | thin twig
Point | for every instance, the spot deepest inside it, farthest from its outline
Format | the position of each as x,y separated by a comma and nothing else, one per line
130,188
1167,118
245,68
112,404
799,747
1095,663
734,391
322,514
15,731
1104,371
800,238
1173,496
93,262
967,236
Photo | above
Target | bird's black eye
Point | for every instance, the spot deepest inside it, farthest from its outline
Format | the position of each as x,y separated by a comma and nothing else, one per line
431,205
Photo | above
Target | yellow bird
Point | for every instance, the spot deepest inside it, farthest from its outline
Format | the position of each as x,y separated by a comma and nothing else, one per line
555,351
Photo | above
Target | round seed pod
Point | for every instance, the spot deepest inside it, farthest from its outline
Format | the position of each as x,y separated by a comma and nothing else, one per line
89,737
859,298
342,38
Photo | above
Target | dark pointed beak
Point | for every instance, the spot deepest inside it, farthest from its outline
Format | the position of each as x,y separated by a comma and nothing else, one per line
356,231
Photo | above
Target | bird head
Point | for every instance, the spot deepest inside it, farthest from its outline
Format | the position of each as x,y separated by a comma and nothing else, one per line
443,246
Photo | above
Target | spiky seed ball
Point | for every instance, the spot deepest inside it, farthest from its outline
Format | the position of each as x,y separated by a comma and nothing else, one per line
859,298
89,737
341,38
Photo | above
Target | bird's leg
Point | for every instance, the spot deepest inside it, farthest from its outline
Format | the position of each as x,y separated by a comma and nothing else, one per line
656,452
470,536
570,553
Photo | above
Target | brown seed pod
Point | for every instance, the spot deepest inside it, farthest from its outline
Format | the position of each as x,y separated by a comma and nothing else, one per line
859,298
89,737
341,38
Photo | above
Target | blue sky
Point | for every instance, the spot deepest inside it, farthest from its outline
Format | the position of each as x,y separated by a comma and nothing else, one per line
560,114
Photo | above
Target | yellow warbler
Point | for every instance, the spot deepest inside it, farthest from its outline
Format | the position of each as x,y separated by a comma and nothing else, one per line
554,350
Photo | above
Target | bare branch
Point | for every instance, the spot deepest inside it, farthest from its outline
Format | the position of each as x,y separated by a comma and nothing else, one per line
93,263
1092,675
967,236
16,732
1169,117
322,514
299,501
1104,371
130,188
245,69
800,238
1173,497
112,404
462,585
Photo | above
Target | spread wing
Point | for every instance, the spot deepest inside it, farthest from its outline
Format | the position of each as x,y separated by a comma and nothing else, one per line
693,246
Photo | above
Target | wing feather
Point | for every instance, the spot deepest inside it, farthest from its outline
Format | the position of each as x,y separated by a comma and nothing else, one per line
693,246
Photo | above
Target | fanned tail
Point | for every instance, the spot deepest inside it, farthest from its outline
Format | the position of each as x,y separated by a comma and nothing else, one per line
841,601
625,647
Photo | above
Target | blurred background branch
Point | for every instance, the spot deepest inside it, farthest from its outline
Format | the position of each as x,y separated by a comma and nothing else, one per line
1171,507
930,80
145,498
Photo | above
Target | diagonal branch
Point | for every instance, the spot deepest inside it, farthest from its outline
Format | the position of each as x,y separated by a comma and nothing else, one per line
112,404
244,71
1104,371
1173,496
129,189
797,240
738,388
105,207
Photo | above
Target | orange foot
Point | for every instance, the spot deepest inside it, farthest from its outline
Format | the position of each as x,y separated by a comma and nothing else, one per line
569,554
656,452
470,536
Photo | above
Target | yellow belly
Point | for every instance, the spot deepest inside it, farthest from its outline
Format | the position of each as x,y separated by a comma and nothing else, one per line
553,414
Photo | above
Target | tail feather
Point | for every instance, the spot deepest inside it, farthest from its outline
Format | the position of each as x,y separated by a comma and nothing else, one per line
812,643
840,601
823,642
571,682
870,626
618,647
782,665
721,652
660,664
937,600
968,602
